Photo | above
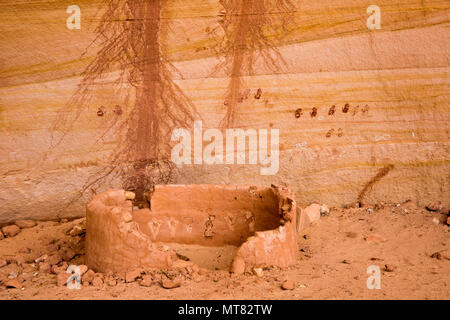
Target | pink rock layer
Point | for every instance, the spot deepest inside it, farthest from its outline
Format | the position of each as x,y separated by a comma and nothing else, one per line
261,221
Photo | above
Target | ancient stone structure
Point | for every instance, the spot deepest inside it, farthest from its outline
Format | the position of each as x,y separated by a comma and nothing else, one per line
260,221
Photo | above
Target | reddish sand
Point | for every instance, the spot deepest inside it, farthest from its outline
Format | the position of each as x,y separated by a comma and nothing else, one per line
334,255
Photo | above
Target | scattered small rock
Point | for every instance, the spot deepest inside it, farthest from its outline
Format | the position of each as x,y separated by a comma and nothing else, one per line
97,282
258,272
59,269
434,206
27,276
352,235
28,268
41,258
171,284
375,259
99,274
25,250
14,283
355,205
345,261
324,210
68,254
180,256
374,238
307,252
62,279
436,255
52,247
11,230
44,267
76,231
111,282
312,213
3,263
180,264
147,281
83,269
288,285
18,260
1,235
24,224
54,259
88,277
131,276
389,268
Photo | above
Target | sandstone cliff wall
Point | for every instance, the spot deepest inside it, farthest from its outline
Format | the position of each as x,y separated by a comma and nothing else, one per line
390,89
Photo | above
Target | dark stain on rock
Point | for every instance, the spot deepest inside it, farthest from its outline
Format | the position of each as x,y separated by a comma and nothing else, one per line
329,133
258,93
346,108
100,112
332,110
365,109
118,110
368,187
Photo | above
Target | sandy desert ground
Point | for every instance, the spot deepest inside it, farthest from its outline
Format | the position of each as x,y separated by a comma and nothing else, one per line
410,244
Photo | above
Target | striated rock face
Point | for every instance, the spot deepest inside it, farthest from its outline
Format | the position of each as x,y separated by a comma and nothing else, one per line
363,114
261,221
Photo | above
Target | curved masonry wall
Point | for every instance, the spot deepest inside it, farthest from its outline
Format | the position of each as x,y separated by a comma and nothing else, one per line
261,221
